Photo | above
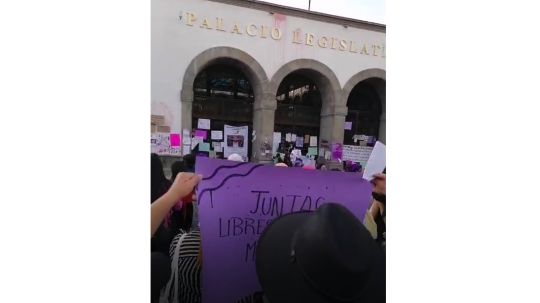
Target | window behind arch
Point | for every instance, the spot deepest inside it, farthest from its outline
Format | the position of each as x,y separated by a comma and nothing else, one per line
364,111
222,92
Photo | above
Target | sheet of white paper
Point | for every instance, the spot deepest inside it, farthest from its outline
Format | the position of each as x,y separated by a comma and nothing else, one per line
288,137
185,133
216,135
376,162
293,137
275,142
186,150
186,137
203,124
313,141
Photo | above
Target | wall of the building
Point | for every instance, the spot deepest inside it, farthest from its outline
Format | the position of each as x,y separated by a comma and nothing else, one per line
175,44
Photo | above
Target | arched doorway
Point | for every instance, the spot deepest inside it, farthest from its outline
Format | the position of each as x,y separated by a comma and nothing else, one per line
298,109
307,93
223,94
234,60
365,94
364,110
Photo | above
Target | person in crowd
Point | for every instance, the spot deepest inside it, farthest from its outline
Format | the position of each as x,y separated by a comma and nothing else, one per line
321,166
352,167
185,255
182,186
189,162
323,256
182,218
279,159
185,250
159,185
375,219
160,271
177,167
158,182
235,157
287,158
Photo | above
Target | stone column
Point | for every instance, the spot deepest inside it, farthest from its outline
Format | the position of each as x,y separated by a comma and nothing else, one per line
332,130
186,98
263,124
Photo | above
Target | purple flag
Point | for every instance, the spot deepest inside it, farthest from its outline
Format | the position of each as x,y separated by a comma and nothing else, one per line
238,200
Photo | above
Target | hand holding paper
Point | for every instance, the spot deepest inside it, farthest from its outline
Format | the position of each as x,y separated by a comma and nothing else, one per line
376,162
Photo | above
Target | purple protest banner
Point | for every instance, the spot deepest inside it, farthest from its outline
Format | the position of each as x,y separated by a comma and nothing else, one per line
238,200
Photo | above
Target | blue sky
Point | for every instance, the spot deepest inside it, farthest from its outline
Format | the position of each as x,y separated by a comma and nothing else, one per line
367,10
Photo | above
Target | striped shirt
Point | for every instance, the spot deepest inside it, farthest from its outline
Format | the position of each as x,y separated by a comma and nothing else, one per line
189,271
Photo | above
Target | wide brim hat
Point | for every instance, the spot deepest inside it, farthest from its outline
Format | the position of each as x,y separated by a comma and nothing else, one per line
320,257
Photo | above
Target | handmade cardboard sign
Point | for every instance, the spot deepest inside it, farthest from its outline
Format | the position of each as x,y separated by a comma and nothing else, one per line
238,200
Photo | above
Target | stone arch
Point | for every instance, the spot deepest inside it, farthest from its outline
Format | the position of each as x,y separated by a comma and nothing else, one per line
332,113
221,54
321,74
373,73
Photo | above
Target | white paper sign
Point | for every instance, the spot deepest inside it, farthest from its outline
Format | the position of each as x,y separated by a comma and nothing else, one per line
288,137
216,135
186,150
186,137
293,137
357,153
377,161
203,124
235,141
275,143
216,146
313,141
153,143
163,143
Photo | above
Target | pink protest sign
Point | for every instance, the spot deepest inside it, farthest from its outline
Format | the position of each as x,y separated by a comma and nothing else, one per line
175,140
201,133
237,201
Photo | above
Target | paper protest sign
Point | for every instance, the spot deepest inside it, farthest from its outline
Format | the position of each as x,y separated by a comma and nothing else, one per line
203,123
376,162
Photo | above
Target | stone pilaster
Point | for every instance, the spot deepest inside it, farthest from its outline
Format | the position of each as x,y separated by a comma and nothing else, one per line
263,124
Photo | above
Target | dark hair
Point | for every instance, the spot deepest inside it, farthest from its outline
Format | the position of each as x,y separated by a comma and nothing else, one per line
159,184
177,167
186,216
189,162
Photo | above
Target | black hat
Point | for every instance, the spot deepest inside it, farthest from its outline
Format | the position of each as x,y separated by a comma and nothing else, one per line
321,256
